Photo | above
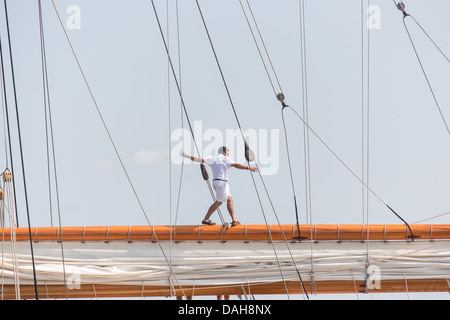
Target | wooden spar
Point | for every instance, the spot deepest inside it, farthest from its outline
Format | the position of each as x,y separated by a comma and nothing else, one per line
321,287
323,232
257,235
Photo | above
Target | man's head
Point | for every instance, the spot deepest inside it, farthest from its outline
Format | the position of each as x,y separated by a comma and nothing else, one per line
224,150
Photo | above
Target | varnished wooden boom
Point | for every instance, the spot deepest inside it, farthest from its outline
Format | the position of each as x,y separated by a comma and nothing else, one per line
289,232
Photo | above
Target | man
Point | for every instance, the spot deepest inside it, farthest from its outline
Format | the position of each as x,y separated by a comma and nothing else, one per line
219,165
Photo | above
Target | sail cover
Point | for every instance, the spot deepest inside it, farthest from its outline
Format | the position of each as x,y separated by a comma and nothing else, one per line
164,268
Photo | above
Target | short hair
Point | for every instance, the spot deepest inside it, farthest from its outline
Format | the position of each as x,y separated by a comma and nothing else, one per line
222,149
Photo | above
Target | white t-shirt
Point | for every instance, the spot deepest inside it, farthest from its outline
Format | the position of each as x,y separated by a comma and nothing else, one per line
219,165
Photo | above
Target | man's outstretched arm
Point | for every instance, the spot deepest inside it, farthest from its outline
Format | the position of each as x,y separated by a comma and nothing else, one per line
195,159
243,167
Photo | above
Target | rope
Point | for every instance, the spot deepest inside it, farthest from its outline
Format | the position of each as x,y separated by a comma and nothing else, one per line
303,57
304,96
182,101
8,183
257,46
401,7
240,128
181,114
21,150
406,283
433,217
7,128
247,158
170,146
306,140
366,130
4,116
352,172
2,221
49,126
110,138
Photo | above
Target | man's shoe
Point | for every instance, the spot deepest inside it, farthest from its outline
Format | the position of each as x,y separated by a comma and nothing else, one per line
208,222
235,223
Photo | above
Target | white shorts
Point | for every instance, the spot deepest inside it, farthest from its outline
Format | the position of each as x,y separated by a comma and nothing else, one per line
222,190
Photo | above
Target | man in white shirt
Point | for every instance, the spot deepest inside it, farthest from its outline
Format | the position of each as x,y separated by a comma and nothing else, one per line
219,165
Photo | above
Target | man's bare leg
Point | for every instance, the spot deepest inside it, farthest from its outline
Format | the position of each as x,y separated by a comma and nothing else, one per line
211,209
230,208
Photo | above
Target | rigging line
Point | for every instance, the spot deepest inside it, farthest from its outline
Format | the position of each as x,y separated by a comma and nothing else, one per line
280,97
306,137
429,37
264,45
21,149
44,87
267,72
251,173
368,140
49,123
365,124
426,77
363,206
405,15
240,127
110,137
304,95
8,180
279,84
282,232
175,79
295,200
169,141
271,241
181,112
7,124
5,132
257,46
220,69
237,120
182,100
350,170
270,80
2,217
290,169
433,217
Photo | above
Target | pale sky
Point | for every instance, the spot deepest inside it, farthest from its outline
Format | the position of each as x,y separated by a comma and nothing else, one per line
122,55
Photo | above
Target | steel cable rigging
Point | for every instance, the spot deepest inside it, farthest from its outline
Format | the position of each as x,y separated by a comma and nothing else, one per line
49,136
250,157
401,6
113,144
280,96
20,149
178,85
